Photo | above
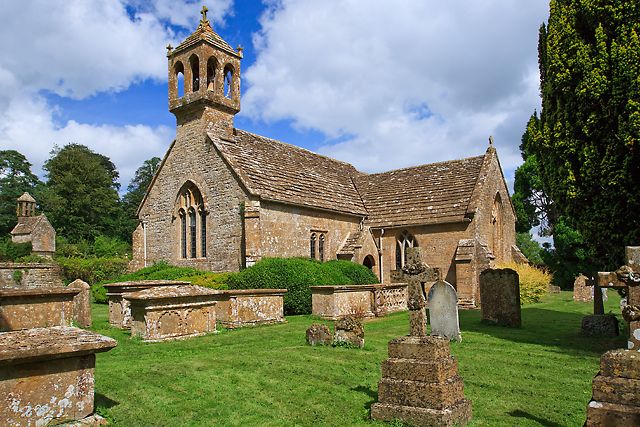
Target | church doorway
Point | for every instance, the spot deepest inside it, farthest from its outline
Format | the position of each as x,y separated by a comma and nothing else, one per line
368,262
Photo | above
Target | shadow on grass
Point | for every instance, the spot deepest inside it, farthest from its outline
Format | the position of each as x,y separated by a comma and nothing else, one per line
545,327
522,414
369,392
102,401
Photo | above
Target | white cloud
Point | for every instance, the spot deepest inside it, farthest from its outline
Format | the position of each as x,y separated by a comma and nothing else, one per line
76,49
399,83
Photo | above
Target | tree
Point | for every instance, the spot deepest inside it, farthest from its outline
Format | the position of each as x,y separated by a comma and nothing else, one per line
137,189
589,57
81,194
534,208
15,179
530,248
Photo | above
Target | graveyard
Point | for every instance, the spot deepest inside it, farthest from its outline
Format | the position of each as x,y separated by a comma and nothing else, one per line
539,374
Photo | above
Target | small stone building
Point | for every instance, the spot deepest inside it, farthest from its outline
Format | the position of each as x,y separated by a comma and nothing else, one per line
223,198
33,228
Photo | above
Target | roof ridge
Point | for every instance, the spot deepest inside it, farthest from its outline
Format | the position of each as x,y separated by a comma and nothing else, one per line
425,164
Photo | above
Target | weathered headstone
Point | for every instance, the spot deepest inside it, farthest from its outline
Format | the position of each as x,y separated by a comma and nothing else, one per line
616,391
500,296
582,292
81,303
420,384
349,330
443,311
600,325
319,334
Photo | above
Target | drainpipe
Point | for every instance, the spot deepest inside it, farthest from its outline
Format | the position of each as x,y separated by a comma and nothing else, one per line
380,255
144,240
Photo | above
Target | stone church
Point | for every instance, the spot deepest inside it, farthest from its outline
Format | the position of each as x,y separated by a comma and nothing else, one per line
224,198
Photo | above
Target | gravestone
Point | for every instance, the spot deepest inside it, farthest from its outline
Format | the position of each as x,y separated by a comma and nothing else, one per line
81,303
319,334
349,330
582,292
500,296
443,311
420,384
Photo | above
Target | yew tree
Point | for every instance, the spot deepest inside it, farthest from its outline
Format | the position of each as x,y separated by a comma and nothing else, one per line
588,145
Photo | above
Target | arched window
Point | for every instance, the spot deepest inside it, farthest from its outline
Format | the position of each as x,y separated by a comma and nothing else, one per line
312,246
193,222
497,228
195,73
228,81
178,70
203,232
183,233
368,262
321,247
403,241
211,73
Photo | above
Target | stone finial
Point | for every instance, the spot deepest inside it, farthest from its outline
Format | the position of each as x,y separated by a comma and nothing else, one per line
240,50
491,140
203,12
169,49
204,22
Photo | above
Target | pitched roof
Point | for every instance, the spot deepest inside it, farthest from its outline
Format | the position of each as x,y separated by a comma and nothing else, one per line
26,225
26,197
206,33
428,194
353,241
285,173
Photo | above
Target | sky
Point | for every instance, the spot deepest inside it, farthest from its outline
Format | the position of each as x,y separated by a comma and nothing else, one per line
379,84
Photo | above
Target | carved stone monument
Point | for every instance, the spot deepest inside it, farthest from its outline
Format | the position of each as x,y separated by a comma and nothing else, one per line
420,384
500,296
443,311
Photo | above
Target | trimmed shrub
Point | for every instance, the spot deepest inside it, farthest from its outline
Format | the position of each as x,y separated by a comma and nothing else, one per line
534,282
159,271
10,251
99,294
209,280
92,270
297,275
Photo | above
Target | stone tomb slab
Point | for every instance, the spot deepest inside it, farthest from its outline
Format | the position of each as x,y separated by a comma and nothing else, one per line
242,307
442,303
119,311
47,375
172,312
500,297
36,308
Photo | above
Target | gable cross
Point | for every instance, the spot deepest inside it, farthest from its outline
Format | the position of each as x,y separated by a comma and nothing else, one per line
628,276
203,12
416,273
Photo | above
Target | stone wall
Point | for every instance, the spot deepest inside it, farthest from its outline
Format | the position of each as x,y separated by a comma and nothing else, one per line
32,275
193,158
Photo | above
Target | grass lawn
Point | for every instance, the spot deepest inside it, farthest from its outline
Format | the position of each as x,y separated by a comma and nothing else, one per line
537,375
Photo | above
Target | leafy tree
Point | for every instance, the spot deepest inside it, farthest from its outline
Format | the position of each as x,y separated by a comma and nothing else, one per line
570,255
530,248
137,189
533,206
81,194
15,179
589,55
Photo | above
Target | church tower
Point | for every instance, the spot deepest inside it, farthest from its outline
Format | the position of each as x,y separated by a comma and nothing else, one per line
204,79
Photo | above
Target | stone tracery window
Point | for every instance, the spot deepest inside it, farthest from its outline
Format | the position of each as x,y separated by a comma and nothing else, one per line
321,248
312,246
403,241
193,222
497,226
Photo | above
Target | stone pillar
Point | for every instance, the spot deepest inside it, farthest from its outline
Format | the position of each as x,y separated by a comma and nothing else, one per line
82,303
616,391
252,237
420,384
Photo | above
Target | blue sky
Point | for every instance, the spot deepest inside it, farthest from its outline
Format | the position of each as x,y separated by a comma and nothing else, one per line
379,84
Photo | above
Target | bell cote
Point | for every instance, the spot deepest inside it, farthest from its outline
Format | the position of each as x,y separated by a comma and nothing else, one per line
204,72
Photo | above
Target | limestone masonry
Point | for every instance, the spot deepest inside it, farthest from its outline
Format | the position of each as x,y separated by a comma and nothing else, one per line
224,198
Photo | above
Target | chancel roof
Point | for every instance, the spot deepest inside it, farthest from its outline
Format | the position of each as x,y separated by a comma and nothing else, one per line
26,225
427,194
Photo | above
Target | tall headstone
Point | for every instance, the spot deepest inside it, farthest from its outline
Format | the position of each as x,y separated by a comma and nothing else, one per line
500,296
443,311
82,303
582,292
420,384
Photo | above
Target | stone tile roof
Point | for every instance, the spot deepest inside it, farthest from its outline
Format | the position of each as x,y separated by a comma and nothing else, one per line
206,33
285,173
354,240
26,225
428,194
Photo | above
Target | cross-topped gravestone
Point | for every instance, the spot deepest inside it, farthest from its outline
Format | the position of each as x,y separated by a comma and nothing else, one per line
416,273
628,276
443,311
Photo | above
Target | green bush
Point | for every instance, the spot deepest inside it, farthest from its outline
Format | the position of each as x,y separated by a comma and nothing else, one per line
104,246
297,275
208,280
99,294
160,271
92,270
10,251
